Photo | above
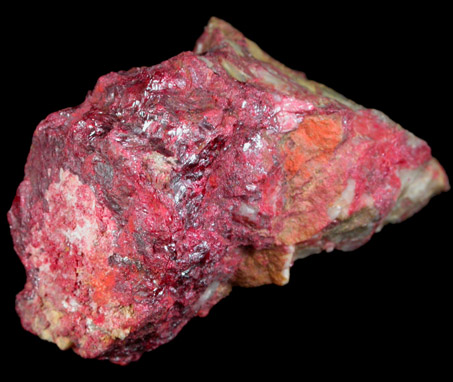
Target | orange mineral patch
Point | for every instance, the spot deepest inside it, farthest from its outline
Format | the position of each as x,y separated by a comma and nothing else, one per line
324,133
103,284
306,151
315,138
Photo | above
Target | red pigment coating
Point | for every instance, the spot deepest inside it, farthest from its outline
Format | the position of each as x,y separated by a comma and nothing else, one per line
142,206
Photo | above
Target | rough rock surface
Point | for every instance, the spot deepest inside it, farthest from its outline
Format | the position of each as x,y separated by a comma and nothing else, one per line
168,185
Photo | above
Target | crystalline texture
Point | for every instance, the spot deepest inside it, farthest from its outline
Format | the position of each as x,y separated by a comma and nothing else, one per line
144,205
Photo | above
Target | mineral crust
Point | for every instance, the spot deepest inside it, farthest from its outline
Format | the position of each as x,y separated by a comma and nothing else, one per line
168,185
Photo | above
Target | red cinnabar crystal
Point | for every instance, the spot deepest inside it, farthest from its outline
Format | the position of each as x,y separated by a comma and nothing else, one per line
168,185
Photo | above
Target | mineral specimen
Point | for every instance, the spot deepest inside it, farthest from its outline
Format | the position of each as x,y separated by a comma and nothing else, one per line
168,185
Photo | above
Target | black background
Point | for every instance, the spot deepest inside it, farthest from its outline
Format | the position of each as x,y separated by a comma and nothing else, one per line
380,310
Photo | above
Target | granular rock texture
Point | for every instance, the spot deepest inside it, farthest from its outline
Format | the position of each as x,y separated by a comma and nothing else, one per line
168,185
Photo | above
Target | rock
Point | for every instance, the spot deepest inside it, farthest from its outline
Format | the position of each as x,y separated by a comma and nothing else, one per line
168,185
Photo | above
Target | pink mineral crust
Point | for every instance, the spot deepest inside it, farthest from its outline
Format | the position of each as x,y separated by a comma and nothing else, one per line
168,185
